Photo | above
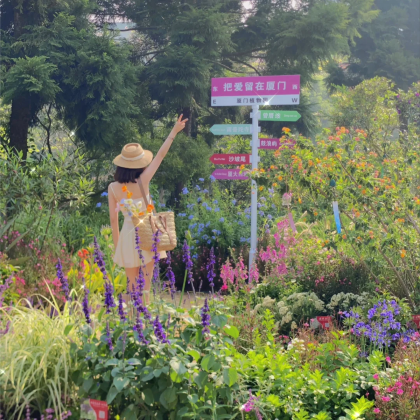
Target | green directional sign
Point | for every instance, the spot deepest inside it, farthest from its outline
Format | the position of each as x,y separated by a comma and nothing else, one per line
274,115
231,129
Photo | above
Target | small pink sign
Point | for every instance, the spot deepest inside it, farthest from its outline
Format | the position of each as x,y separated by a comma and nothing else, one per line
416,320
94,410
228,174
274,144
325,321
231,159
263,90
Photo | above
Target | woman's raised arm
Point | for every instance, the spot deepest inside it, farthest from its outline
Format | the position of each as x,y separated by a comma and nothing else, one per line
150,171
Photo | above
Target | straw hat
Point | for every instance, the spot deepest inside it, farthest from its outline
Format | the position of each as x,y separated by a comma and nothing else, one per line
133,157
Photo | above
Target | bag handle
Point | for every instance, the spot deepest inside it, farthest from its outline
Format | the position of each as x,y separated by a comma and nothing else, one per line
144,196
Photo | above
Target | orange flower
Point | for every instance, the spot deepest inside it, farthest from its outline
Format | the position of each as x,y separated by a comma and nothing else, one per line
403,252
141,213
150,208
85,252
129,194
124,188
344,236
80,254
275,184
280,178
261,188
286,130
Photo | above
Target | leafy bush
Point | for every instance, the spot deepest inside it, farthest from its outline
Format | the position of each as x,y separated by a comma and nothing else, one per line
374,178
170,368
309,380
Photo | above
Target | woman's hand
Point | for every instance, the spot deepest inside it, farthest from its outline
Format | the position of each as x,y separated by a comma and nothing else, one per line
179,125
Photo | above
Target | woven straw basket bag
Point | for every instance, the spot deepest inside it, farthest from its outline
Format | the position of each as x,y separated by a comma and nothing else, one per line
148,224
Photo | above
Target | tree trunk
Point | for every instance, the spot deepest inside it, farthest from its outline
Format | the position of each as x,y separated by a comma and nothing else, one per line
19,124
186,113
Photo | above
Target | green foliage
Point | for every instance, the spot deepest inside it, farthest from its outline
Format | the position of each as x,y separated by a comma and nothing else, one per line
189,377
33,76
373,176
36,365
309,380
390,45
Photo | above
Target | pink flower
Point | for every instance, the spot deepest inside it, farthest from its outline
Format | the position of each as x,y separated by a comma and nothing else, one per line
388,359
376,411
400,392
386,399
398,384
224,287
376,376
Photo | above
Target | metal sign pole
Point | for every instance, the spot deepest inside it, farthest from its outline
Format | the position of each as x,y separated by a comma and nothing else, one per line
254,190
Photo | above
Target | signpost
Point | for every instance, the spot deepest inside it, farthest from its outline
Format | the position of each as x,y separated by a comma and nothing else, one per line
229,129
275,115
253,91
231,159
228,174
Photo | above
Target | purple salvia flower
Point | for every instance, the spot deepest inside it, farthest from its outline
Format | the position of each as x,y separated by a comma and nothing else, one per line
108,337
109,288
205,318
121,311
170,276
3,288
156,258
63,280
109,297
6,330
186,258
85,303
137,298
28,413
210,269
159,331
138,328
137,239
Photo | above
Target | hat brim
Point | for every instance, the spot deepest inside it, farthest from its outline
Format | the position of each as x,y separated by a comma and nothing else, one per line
134,164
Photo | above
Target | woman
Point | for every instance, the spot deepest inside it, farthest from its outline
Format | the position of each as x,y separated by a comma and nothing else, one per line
134,164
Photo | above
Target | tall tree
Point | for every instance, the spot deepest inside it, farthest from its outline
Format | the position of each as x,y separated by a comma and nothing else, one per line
51,55
184,44
389,46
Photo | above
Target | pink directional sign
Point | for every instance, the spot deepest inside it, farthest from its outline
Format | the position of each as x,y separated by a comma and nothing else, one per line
275,143
263,90
228,174
230,159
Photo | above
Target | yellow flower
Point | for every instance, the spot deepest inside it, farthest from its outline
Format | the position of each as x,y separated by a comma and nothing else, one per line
261,188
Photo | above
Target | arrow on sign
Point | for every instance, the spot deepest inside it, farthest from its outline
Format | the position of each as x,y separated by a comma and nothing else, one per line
228,174
229,129
231,159
273,115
